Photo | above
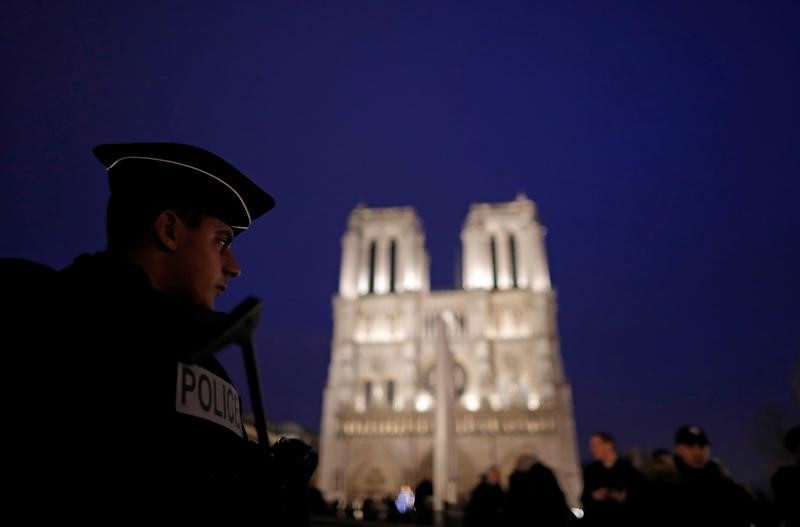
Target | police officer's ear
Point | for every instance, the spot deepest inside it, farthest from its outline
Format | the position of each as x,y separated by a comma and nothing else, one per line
166,225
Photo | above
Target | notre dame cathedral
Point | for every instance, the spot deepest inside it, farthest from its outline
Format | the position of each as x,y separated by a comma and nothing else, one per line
513,398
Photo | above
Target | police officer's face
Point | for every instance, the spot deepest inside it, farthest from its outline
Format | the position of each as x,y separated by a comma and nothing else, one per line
204,261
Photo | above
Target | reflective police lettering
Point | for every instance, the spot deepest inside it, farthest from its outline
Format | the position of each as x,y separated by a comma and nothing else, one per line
205,402
217,411
230,401
187,385
202,394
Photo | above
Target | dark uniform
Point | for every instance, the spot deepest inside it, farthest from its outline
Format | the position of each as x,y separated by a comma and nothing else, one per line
110,413
115,411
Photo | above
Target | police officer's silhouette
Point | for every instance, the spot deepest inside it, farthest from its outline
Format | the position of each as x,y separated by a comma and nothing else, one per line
108,409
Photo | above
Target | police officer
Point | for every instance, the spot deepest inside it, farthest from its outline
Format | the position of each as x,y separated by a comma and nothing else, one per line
115,412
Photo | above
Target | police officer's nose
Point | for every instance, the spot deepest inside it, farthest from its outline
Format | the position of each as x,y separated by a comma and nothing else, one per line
231,266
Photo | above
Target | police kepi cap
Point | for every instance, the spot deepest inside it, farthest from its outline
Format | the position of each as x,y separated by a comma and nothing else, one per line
185,173
691,435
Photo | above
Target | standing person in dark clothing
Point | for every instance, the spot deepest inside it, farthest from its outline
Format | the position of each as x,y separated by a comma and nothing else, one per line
786,482
661,488
703,494
485,504
612,488
423,501
534,496
109,339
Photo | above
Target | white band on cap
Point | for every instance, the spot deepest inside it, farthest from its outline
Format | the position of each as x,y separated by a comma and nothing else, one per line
247,212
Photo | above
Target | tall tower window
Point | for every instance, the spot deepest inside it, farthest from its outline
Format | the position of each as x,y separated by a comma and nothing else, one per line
390,392
392,267
494,262
371,267
512,245
367,393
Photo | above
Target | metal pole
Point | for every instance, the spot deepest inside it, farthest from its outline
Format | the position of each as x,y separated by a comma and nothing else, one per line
254,384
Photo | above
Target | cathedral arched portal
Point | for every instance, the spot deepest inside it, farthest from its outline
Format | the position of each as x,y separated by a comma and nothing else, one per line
373,474
468,472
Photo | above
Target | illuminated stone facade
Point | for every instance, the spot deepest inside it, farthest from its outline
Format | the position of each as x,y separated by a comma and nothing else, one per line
377,425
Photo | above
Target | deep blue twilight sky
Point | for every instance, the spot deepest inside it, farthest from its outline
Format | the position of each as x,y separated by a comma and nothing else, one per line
660,141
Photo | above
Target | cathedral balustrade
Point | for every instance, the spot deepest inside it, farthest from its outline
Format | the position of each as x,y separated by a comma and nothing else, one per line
504,422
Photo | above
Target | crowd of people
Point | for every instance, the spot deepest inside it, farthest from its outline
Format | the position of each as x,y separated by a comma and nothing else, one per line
684,488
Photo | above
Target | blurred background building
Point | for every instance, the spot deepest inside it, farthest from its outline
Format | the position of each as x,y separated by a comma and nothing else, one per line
276,430
513,397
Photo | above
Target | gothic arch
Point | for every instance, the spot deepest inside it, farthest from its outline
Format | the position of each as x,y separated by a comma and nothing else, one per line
508,462
468,473
372,473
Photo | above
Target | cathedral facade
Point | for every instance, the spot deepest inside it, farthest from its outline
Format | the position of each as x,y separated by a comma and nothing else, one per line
513,398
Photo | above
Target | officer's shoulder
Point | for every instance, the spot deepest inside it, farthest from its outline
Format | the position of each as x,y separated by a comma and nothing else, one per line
24,268
28,286
25,277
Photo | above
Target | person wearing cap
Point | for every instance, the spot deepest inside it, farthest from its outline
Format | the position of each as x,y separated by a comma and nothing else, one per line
701,493
174,211
109,339
692,447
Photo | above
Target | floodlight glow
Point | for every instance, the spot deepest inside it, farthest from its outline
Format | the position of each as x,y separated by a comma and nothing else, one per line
360,404
472,402
424,402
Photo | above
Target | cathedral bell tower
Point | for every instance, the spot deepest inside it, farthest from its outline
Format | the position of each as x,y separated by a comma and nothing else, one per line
383,251
503,247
